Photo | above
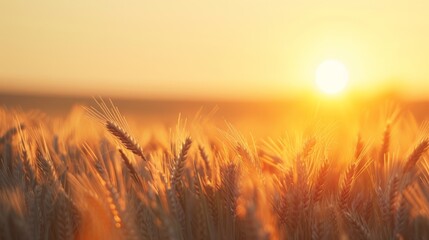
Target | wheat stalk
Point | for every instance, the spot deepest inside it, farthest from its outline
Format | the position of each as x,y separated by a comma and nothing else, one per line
358,226
179,164
131,169
229,182
320,182
126,139
416,155
345,191
385,146
11,132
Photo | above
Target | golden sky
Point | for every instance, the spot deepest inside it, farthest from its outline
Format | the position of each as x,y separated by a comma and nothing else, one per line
214,49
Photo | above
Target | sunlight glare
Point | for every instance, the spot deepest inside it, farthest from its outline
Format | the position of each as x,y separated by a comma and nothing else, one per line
331,77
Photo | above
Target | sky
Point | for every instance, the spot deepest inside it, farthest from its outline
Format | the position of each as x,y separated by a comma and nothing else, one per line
243,49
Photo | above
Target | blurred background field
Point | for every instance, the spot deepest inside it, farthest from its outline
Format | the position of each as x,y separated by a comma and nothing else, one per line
167,110
261,118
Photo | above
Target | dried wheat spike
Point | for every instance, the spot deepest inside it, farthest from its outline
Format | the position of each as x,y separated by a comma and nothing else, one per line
179,165
130,168
308,147
176,207
346,188
385,146
357,226
205,157
394,195
359,147
320,182
229,180
45,166
11,132
416,154
401,217
126,139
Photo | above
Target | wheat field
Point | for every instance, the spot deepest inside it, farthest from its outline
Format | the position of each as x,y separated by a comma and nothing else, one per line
95,176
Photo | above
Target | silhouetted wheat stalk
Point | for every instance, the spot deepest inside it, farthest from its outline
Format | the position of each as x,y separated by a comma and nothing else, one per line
115,124
127,140
179,163
130,168
416,154
345,191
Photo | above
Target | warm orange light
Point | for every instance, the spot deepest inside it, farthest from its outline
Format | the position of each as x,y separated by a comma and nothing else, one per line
332,77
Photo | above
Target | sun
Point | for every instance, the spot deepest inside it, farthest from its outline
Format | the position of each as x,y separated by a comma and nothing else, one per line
332,77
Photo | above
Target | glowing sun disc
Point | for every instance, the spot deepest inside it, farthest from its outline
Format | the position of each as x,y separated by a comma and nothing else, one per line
332,77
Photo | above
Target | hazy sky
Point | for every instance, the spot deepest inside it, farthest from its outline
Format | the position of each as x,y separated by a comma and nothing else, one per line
241,49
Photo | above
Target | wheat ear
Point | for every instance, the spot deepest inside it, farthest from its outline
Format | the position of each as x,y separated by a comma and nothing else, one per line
385,146
320,182
179,164
130,168
126,139
346,188
416,154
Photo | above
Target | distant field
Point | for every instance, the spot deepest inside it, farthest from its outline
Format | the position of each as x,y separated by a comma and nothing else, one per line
268,116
